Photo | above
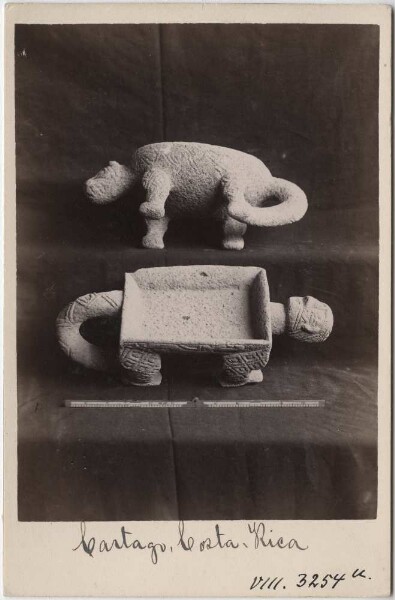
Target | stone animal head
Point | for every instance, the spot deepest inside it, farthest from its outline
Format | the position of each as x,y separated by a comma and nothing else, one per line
108,184
309,320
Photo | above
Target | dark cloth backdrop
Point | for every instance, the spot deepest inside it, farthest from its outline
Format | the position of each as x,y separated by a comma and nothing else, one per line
303,98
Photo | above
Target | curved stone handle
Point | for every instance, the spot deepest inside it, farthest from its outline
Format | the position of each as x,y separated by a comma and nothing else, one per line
70,319
305,319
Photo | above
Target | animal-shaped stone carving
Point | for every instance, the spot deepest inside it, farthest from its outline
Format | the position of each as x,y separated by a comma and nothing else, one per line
213,309
183,179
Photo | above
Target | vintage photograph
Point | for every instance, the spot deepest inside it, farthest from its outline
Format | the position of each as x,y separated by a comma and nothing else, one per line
197,214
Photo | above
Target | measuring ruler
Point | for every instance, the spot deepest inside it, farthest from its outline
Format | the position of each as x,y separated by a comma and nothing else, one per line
195,403
267,404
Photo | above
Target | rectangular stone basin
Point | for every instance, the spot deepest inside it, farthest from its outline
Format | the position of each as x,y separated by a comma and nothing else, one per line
196,307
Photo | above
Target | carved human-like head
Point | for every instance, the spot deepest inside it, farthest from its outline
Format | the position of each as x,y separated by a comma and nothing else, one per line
309,320
109,183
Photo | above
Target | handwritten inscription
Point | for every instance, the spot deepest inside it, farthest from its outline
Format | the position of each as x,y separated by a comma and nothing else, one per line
257,537
262,539
126,541
305,580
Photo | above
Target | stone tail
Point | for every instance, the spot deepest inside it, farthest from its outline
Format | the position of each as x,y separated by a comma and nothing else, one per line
70,319
292,206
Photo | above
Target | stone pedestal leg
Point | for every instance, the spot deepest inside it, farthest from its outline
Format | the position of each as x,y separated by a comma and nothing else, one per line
244,367
233,232
156,229
140,368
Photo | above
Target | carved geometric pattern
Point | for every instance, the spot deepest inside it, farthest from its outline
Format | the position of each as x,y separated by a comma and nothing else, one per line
70,320
193,347
236,367
309,320
143,365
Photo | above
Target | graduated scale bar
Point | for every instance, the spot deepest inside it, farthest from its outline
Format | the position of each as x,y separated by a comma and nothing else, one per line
195,403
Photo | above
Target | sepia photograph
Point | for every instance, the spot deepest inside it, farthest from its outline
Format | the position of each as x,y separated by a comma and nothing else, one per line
197,212
197,365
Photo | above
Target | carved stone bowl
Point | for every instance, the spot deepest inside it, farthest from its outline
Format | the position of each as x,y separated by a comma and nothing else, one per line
206,309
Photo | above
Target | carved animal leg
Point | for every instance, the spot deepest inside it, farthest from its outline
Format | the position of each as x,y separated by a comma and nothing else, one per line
242,368
233,234
156,229
233,190
140,368
157,183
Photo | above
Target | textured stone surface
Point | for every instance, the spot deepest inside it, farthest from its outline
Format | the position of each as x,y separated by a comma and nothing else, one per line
70,319
198,305
246,367
238,326
308,319
330,141
186,179
140,368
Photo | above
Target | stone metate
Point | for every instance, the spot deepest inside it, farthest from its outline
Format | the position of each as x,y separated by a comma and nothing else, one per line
211,309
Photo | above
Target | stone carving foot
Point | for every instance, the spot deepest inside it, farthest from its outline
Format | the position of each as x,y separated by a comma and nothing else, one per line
156,229
233,232
128,378
140,368
255,376
235,243
153,242
245,367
